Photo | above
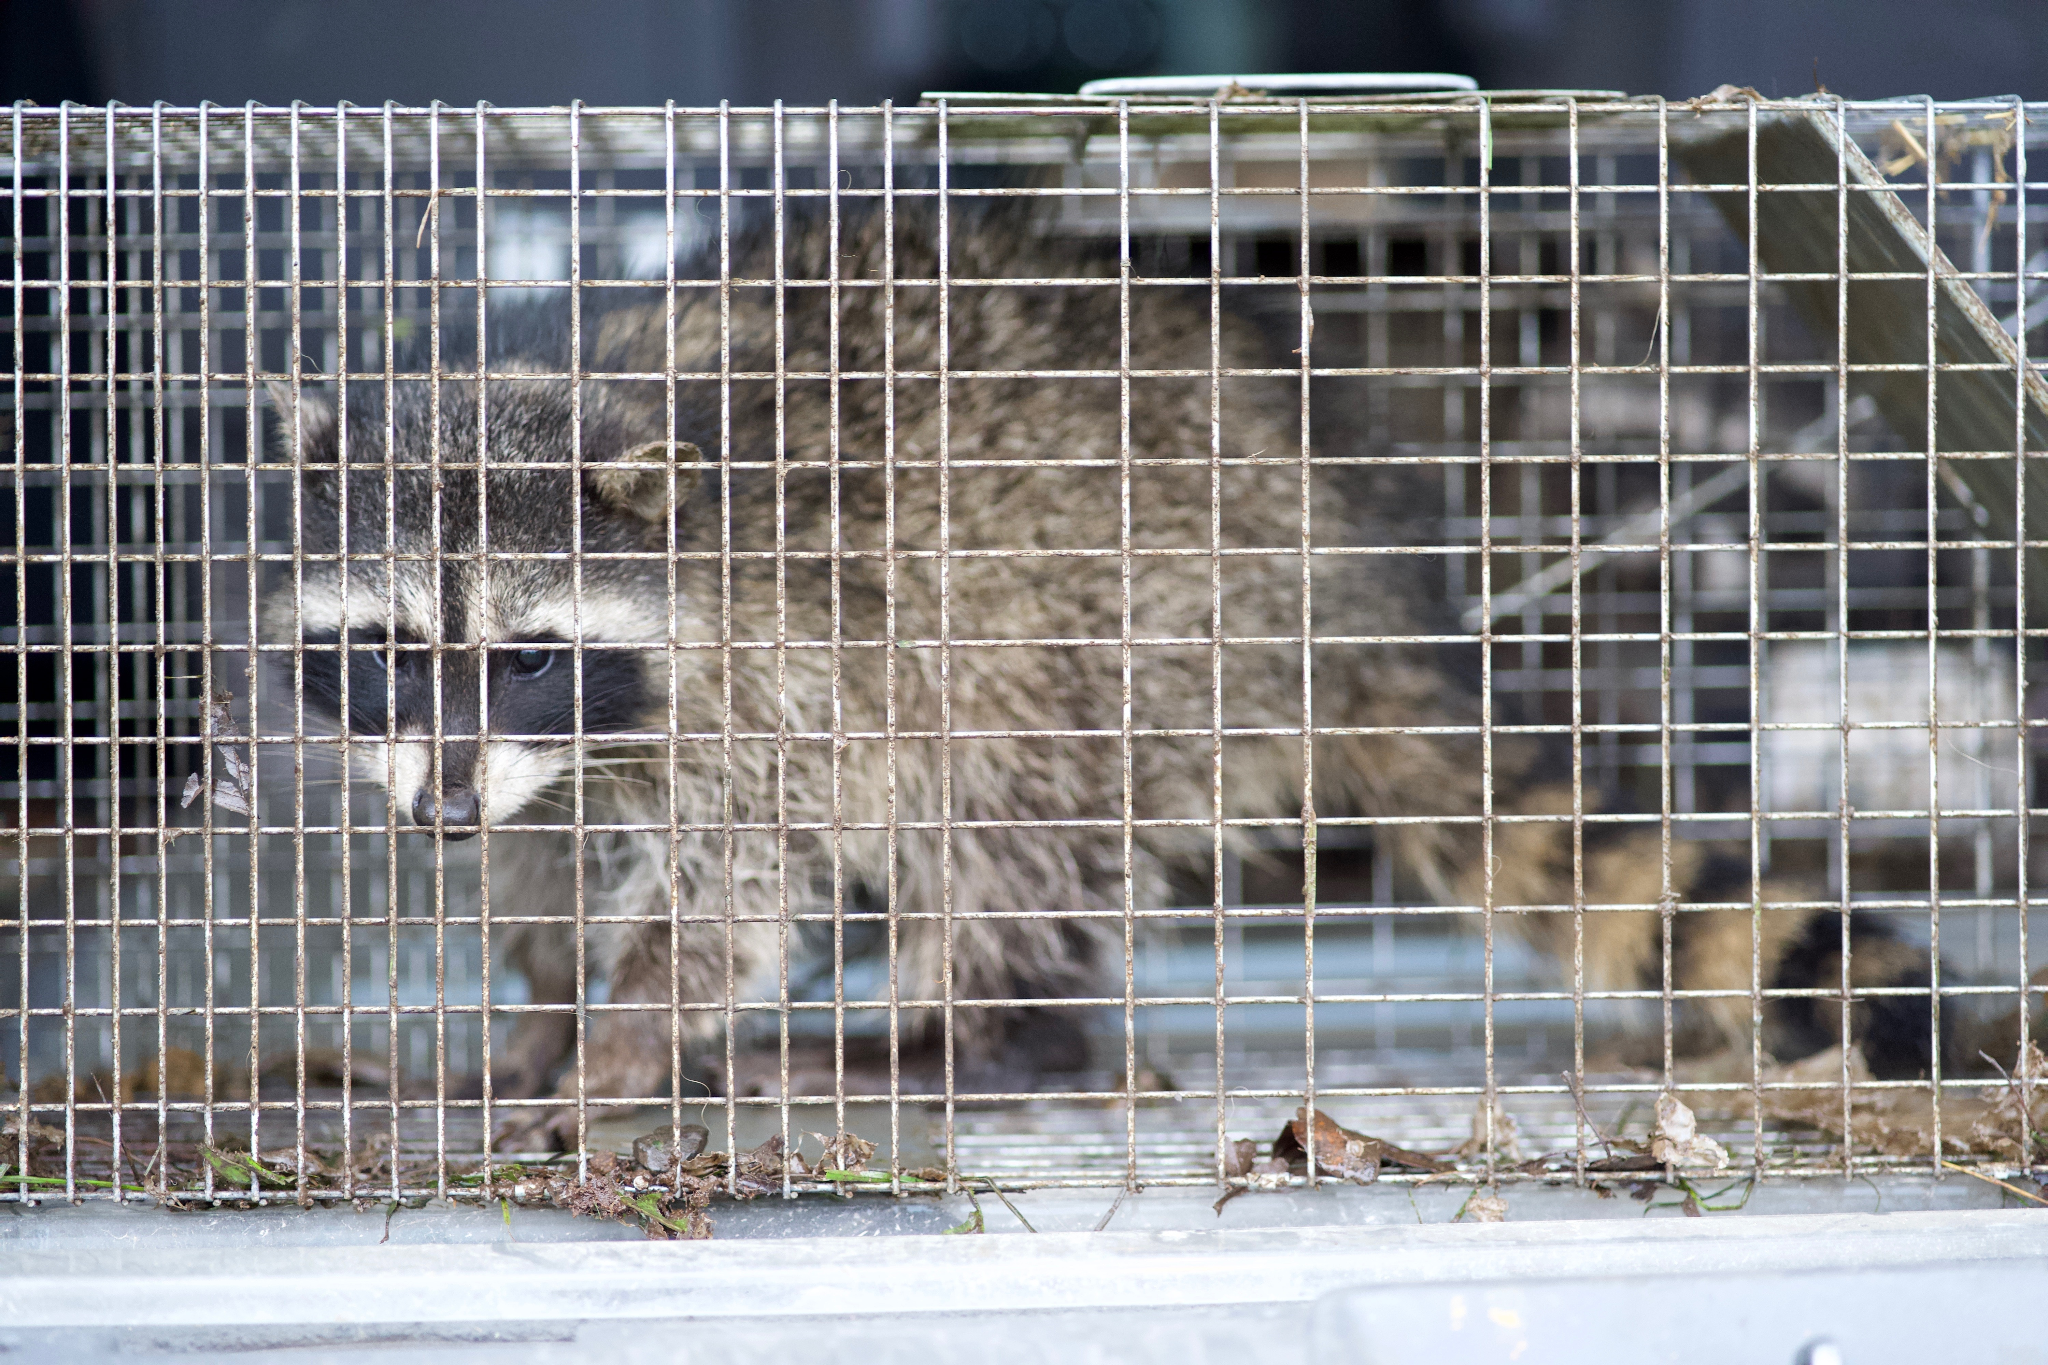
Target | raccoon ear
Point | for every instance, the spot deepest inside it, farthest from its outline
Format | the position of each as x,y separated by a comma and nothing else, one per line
316,421
637,481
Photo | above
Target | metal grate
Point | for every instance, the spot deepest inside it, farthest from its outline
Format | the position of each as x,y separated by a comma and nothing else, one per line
1657,377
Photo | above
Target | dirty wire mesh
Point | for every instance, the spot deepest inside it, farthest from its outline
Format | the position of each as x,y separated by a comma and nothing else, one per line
1658,377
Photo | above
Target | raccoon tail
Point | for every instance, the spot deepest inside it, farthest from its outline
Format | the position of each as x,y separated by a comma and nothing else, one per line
1721,943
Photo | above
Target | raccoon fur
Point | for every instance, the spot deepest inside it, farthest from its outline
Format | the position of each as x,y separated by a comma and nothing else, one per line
805,633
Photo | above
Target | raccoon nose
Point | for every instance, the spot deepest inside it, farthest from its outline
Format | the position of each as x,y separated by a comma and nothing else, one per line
458,807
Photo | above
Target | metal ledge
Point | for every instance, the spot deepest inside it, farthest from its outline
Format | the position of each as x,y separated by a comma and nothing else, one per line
93,1283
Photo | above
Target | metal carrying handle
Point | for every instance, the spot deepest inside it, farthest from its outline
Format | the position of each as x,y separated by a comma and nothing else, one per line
1319,82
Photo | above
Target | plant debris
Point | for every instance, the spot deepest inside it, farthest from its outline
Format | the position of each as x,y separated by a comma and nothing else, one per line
1676,1140
233,789
1485,1206
672,1202
1993,1122
654,1153
1507,1135
239,1168
38,1133
1342,1153
844,1154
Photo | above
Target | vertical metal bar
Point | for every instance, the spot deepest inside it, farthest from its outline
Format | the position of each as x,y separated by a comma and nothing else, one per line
344,569
781,299
1758,620
1578,733
22,749
1665,712
1842,718
672,744
1486,647
891,812
1216,848
252,451
67,764
1933,523
1130,1099
579,811
485,629
295,359
207,647
727,770
112,673
162,680
945,365
438,563
1306,331
836,548
392,1089
2022,812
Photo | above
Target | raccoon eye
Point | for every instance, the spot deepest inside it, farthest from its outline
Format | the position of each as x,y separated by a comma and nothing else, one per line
531,663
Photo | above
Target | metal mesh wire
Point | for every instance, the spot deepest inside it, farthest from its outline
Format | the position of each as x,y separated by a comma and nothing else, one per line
1674,521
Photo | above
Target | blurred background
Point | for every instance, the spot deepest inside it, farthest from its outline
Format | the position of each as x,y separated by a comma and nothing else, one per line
529,52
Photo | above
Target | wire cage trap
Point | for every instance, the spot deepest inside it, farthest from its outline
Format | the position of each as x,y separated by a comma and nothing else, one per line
1656,379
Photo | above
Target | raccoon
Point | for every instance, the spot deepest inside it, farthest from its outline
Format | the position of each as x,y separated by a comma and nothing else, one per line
795,597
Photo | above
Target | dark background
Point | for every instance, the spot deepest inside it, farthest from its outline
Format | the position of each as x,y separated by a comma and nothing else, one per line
527,52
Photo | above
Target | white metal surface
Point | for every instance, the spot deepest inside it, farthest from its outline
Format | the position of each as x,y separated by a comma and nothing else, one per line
1884,1288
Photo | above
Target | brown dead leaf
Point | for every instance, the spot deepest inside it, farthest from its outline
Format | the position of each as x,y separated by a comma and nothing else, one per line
1628,1157
1343,1153
759,1171
1238,1158
844,1152
1339,1152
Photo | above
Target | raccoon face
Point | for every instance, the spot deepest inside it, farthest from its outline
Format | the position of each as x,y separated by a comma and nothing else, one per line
469,732
469,623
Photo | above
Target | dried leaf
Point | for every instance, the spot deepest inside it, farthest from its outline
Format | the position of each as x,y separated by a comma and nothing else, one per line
759,1171
1901,1122
1339,1152
1723,94
1238,1158
845,1152
233,789
1485,1206
240,1168
37,1132
1636,1159
1344,1153
656,1152
1675,1138
1507,1134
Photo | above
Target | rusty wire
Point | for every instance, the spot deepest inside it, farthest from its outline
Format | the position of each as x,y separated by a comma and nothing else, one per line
160,319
